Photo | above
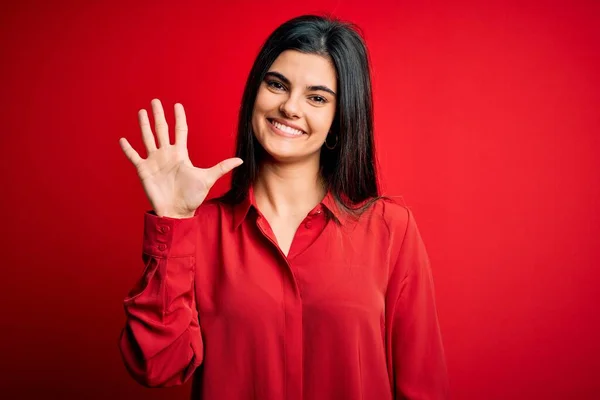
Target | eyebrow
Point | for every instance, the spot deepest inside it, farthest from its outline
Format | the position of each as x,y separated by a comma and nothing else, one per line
287,82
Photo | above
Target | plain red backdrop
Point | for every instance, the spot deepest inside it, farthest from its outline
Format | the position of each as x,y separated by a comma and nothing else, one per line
486,123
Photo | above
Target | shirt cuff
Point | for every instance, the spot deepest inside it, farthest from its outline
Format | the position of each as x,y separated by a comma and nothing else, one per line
169,237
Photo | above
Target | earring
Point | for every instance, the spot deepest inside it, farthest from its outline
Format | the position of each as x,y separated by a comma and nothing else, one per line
334,145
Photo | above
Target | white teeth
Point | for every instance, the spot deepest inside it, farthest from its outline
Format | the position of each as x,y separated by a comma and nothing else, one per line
287,129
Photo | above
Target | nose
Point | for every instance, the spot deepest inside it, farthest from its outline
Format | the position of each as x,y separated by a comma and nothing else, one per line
290,107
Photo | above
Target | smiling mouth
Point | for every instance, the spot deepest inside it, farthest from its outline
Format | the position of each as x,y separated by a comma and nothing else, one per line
285,128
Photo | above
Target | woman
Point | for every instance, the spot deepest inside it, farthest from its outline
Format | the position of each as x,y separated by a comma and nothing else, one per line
301,282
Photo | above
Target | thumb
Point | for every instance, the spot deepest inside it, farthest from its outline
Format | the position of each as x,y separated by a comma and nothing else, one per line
222,168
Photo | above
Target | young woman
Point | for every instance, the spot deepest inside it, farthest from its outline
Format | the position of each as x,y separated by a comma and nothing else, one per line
301,282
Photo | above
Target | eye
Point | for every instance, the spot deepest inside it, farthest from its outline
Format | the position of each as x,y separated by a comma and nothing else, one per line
319,99
275,85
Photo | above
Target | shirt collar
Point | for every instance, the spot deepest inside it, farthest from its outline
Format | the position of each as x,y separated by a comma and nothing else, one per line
241,210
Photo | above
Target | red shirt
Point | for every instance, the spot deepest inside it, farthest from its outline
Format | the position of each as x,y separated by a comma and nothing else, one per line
348,314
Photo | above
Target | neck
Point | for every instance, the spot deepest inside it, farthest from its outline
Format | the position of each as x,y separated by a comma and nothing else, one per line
288,190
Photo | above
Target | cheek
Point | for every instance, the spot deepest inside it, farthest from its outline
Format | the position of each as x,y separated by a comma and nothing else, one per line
258,111
321,121
256,123
265,100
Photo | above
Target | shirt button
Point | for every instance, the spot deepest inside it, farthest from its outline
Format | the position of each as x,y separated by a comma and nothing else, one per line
163,228
307,224
162,246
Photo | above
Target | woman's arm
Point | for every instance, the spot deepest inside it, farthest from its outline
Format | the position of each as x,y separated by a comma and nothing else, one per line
161,343
415,342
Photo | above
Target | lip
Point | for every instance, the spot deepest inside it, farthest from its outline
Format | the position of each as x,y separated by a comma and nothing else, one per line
282,122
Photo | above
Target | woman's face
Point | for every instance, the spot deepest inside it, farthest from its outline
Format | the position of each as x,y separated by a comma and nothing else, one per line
295,106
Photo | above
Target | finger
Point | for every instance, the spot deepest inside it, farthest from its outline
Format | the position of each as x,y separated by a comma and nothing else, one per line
181,128
147,135
129,151
222,168
160,123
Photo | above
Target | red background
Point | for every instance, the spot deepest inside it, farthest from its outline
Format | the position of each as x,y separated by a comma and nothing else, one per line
486,122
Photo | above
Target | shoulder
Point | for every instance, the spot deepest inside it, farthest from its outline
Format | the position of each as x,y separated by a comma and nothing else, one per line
396,213
392,212
212,209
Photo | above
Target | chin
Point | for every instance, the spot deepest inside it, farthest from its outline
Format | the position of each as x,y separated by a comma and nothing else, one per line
283,155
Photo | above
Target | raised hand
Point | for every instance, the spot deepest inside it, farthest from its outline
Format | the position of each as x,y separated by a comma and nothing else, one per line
173,185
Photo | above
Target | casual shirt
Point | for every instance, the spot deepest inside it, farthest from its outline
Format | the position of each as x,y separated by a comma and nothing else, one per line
348,314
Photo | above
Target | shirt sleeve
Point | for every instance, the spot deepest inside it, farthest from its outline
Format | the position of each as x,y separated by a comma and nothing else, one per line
161,343
417,355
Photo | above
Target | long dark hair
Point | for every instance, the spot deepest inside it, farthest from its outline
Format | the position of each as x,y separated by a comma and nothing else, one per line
349,170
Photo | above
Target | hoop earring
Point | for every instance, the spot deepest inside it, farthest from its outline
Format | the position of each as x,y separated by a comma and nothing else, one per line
334,145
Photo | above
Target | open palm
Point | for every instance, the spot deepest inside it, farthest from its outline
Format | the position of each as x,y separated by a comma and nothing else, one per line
173,185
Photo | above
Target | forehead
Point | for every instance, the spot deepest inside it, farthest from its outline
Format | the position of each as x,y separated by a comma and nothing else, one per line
305,69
